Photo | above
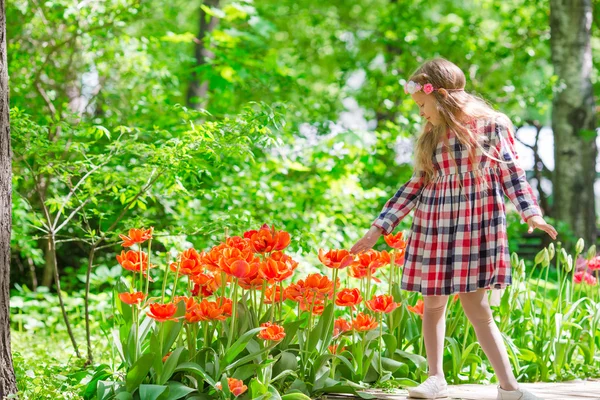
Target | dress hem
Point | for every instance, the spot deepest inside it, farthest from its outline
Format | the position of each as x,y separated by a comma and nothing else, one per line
454,290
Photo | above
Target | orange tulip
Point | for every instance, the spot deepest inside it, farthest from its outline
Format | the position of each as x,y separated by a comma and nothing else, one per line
395,241
360,272
455,297
240,264
206,284
312,303
272,332
236,386
132,298
294,292
190,303
162,312
386,257
164,359
383,304
255,282
348,298
225,305
337,259
418,308
340,326
266,239
190,263
277,267
370,258
131,260
273,293
136,236
333,349
213,256
318,284
364,322
240,243
209,311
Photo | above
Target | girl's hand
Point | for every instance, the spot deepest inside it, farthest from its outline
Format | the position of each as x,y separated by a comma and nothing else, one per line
538,222
368,241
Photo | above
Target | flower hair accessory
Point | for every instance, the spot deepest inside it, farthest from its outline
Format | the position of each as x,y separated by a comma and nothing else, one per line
413,87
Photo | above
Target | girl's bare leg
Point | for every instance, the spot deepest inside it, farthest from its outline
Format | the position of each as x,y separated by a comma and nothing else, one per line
478,311
434,332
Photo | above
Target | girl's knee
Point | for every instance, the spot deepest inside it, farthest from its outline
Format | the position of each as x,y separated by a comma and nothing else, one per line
435,303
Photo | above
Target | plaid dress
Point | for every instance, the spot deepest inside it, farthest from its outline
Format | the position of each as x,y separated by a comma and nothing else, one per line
458,240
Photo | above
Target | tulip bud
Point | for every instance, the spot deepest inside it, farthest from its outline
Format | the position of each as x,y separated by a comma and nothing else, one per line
551,251
579,246
569,264
562,258
514,260
542,258
522,269
591,253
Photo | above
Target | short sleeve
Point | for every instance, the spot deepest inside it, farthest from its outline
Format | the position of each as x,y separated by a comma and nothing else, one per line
400,204
513,177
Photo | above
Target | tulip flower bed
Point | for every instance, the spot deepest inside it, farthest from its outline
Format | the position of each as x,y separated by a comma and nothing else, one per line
229,322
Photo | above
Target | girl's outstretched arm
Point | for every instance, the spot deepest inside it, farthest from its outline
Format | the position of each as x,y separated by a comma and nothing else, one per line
400,204
514,181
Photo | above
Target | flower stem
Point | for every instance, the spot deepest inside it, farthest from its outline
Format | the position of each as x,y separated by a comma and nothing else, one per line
233,312
148,272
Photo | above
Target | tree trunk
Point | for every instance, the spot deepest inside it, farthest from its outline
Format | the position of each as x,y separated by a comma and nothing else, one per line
8,383
196,96
573,116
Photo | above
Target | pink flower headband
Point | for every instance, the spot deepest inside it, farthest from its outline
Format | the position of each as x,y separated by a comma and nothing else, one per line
413,87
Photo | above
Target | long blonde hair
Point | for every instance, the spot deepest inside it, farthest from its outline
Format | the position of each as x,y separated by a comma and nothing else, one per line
457,109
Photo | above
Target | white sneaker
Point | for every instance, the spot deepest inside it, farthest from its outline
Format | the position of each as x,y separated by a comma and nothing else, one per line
519,394
432,388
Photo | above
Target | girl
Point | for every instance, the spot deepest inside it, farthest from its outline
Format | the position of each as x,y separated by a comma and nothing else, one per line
465,163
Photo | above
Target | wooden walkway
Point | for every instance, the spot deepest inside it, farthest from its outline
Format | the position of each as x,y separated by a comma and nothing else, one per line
586,390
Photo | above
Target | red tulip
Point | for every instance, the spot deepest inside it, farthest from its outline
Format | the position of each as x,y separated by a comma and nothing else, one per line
594,264
583,276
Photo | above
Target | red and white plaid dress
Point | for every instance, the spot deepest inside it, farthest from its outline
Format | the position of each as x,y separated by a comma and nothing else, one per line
458,240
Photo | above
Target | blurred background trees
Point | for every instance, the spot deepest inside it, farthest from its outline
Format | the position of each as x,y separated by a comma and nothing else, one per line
198,116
